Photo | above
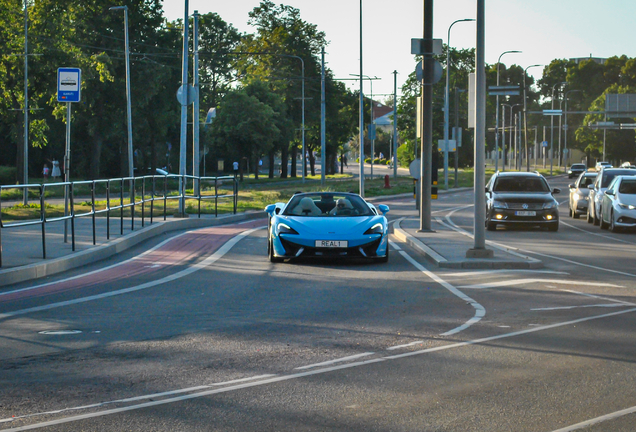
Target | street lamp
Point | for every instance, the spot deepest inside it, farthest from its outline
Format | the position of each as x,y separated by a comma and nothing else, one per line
128,99
552,127
565,160
372,137
503,162
446,102
361,114
525,115
497,116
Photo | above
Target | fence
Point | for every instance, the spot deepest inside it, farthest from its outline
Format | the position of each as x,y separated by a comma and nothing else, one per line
109,196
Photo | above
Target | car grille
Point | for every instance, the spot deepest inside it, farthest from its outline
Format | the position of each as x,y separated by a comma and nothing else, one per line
528,206
369,250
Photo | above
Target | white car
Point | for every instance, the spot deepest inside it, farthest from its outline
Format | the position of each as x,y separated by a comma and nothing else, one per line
619,204
602,182
600,165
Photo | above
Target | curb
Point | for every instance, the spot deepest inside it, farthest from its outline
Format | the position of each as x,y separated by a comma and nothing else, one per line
97,253
468,263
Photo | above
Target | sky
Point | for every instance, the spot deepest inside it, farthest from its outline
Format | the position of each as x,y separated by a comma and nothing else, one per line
542,29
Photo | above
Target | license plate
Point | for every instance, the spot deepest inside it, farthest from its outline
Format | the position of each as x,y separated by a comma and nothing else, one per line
525,213
332,243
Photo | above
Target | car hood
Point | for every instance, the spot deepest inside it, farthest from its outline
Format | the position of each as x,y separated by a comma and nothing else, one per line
523,197
332,226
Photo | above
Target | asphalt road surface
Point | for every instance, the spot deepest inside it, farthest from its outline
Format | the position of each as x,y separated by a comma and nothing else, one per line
200,332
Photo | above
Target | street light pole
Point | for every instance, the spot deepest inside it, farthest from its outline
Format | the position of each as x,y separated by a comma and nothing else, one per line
565,163
552,128
446,101
525,115
361,126
497,119
25,196
511,135
128,98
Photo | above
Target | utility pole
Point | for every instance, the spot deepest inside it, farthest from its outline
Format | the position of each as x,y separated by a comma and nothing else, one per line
25,196
361,114
323,148
427,120
184,113
395,124
195,105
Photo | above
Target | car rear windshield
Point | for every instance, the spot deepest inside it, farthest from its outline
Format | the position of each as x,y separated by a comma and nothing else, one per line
521,184
628,187
609,175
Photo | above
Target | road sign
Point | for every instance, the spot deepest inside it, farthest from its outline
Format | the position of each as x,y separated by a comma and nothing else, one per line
552,112
417,47
437,71
69,84
504,90
414,169
451,145
544,143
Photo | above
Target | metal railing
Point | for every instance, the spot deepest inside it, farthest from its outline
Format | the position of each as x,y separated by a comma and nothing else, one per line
118,195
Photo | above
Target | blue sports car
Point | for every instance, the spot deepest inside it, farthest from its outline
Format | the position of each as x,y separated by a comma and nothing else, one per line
327,224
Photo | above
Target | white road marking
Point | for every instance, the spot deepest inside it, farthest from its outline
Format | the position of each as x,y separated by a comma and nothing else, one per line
492,243
599,297
334,361
193,268
533,280
597,234
394,245
480,312
405,345
276,379
611,305
488,272
598,420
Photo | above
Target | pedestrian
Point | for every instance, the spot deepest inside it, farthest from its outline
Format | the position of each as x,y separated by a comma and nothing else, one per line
235,166
45,172
56,169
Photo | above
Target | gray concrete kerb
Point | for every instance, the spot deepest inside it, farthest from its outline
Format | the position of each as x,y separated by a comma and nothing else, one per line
503,258
50,267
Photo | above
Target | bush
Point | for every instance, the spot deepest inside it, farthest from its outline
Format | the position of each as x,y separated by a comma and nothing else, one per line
8,175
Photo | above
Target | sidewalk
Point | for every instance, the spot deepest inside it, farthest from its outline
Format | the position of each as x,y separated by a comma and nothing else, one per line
22,250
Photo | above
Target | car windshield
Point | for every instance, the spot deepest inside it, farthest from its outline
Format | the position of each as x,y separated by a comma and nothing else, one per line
578,166
608,176
586,181
521,184
628,187
327,205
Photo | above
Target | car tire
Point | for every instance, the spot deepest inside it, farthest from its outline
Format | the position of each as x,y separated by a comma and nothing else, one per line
575,214
553,226
272,258
589,217
612,224
491,226
595,219
602,224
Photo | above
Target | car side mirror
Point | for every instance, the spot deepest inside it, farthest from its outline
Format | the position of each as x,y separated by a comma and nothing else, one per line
609,192
590,186
571,186
556,191
383,208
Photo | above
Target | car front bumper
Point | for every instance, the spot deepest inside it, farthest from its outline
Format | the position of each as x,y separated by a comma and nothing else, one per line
510,216
291,246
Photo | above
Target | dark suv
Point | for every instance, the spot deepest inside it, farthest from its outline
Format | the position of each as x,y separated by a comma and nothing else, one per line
521,198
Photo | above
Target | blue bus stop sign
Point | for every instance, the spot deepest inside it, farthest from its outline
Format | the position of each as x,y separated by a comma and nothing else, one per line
68,84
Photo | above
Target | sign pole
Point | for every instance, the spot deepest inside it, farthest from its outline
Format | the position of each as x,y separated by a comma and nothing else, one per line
67,168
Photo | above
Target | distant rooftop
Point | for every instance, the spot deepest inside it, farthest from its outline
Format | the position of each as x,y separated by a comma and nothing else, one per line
598,60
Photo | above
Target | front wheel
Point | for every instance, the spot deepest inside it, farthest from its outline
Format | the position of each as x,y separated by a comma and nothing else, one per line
595,219
385,258
602,223
589,216
553,226
612,224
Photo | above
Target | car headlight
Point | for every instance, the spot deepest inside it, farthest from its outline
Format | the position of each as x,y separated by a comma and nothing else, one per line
576,197
375,229
499,204
627,206
550,205
285,229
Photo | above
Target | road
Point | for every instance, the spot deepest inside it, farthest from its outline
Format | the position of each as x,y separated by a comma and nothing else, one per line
200,332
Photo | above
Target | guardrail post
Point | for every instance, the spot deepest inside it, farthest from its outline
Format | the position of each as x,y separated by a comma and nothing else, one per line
71,193
235,194
152,201
93,211
42,220
216,197
108,209
143,201
121,208
198,188
165,196
132,201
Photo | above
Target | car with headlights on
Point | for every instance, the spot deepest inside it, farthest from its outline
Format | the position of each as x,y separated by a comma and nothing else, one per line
576,170
579,193
327,224
619,204
597,189
521,198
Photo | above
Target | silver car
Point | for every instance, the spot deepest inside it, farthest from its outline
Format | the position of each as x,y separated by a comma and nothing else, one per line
619,204
603,180
579,193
